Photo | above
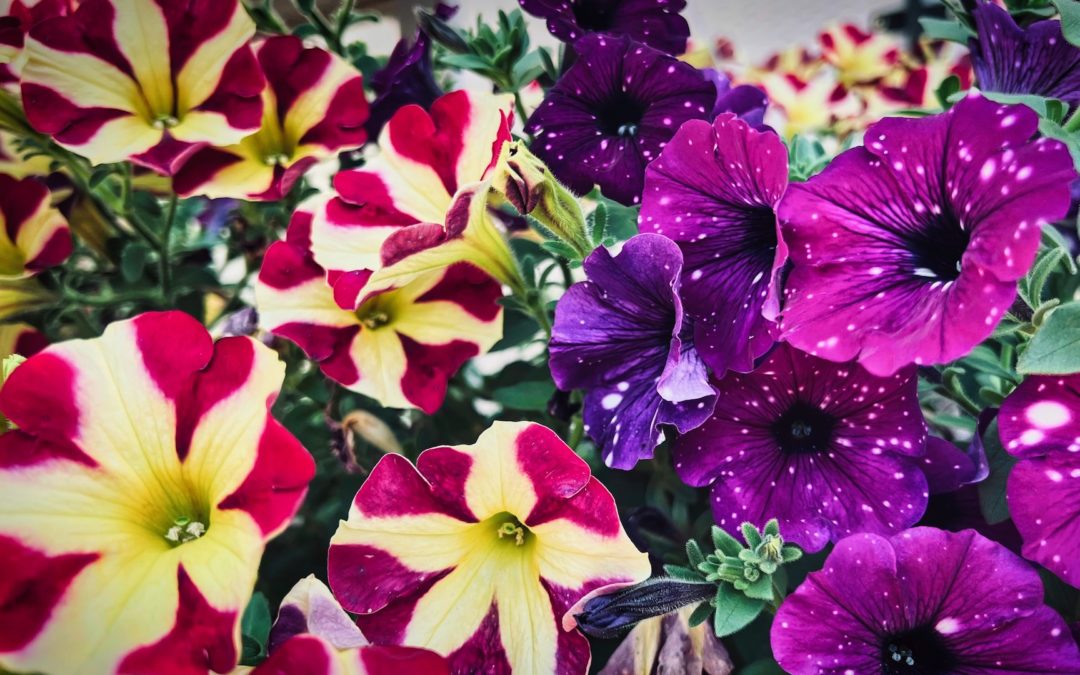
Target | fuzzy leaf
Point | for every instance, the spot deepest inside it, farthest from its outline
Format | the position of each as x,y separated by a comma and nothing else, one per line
724,542
694,554
1070,19
1055,348
700,614
734,611
751,534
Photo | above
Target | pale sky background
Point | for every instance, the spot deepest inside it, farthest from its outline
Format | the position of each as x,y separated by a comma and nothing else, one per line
757,27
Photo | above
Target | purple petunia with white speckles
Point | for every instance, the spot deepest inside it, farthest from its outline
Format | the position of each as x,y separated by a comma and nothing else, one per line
613,112
908,249
923,601
828,449
1033,60
621,337
656,23
1040,423
713,190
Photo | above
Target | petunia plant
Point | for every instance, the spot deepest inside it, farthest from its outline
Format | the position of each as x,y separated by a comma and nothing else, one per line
561,338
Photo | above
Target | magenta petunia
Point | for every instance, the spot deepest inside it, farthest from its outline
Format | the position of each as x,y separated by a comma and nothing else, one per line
923,601
908,249
713,190
613,112
656,23
828,449
1040,424
621,336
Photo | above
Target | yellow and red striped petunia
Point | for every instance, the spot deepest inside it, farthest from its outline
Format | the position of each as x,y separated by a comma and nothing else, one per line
34,236
313,107
150,81
400,345
477,551
139,488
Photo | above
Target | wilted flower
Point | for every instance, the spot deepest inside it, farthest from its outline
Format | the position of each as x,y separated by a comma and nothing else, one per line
828,449
314,636
313,107
860,57
479,550
713,190
33,235
656,23
399,345
622,337
1040,424
612,113
1036,59
140,487
908,249
923,601
668,644
139,80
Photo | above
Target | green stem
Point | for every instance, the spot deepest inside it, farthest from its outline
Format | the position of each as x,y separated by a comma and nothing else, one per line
166,240
343,18
519,106
325,29
577,422
107,297
959,399
129,213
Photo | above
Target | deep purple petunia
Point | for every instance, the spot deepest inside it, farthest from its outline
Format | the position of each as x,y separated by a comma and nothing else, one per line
908,249
406,78
746,101
612,113
656,23
924,601
621,336
713,190
1032,60
828,449
1040,424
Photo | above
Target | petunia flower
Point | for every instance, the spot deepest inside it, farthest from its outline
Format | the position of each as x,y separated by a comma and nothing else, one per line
478,551
33,235
1036,59
807,104
622,337
745,101
828,449
17,17
400,202
714,190
1040,425
860,57
146,81
21,339
400,345
613,112
140,487
656,23
923,601
908,249
23,295
313,107
314,636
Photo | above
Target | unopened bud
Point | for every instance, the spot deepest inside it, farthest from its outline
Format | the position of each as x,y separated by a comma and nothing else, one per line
606,616
369,428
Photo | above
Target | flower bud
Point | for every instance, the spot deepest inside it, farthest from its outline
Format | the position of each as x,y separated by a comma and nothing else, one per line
606,616
8,366
524,181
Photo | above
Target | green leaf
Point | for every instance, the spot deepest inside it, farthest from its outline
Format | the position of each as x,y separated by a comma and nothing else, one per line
255,628
1055,348
945,29
682,573
465,61
751,534
992,503
1070,19
760,589
724,542
734,611
561,249
1052,237
596,223
529,395
700,614
133,261
1040,272
945,92
694,554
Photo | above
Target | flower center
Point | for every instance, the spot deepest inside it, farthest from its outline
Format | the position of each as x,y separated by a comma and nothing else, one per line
276,159
592,16
620,116
804,429
938,248
165,121
920,651
183,530
509,529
